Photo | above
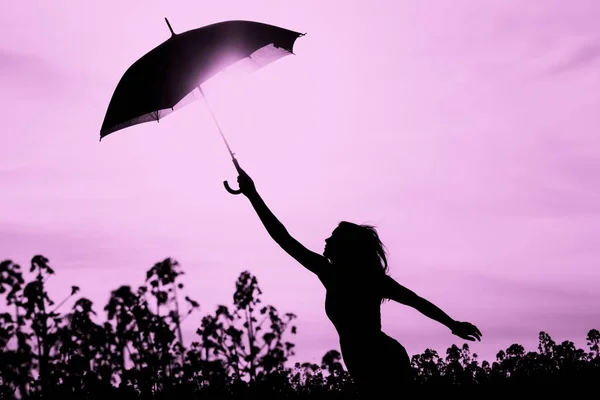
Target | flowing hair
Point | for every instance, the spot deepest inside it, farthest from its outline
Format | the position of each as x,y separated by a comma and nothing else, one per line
365,245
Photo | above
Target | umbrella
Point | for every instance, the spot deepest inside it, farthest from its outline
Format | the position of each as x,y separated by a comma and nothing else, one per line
170,76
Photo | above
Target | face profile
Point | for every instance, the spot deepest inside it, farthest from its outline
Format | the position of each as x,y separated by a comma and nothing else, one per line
344,240
357,247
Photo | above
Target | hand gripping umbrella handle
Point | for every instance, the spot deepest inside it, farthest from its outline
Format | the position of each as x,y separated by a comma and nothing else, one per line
226,184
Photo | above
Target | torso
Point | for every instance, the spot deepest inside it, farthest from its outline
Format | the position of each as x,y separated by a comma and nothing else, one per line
355,311
352,307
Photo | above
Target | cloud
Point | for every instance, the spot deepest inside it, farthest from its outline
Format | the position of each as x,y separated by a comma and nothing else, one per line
530,286
78,248
35,77
581,58
21,69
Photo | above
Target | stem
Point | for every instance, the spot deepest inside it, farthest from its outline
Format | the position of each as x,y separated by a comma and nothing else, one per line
179,332
23,385
61,303
251,343
226,351
44,336
229,354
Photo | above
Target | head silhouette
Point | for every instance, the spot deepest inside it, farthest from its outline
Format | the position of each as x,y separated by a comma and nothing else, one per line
356,247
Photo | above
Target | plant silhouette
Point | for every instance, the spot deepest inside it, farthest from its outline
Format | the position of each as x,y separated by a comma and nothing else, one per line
242,350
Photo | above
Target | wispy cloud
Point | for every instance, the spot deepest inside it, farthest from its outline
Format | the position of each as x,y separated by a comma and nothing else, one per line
34,76
19,69
583,57
73,248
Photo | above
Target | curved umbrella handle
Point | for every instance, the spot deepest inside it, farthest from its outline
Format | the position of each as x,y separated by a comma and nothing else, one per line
239,170
230,190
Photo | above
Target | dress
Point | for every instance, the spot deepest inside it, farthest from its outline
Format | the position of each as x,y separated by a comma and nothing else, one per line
377,363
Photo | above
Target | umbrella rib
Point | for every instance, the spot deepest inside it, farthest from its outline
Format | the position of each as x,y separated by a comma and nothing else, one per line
255,62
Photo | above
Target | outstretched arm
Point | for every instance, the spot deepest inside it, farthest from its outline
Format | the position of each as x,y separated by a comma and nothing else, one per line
312,261
394,291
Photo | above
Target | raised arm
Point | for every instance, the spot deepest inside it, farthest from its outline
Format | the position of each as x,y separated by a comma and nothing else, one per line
312,261
394,291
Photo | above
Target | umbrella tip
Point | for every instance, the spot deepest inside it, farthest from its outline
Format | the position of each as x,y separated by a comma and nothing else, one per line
171,29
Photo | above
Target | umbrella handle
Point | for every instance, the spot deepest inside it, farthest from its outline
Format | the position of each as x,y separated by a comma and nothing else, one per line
230,190
226,184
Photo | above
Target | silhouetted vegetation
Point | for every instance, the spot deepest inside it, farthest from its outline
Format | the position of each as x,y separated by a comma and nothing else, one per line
241,350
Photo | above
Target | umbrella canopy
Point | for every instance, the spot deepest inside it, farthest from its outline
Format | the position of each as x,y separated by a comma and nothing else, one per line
170,75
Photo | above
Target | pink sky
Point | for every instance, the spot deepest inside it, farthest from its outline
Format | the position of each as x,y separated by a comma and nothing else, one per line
466,131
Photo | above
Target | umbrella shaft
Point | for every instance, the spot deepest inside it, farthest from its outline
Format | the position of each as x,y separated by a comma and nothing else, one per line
216,123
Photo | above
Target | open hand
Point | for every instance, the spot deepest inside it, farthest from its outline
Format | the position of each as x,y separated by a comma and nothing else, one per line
466,330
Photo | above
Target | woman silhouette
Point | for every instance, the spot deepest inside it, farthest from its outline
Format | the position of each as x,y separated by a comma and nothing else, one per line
353,270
